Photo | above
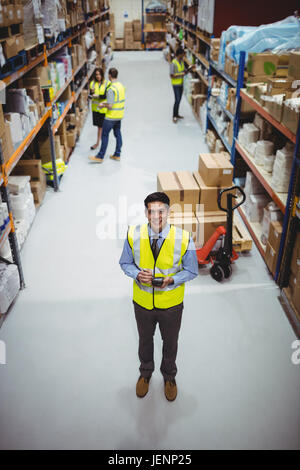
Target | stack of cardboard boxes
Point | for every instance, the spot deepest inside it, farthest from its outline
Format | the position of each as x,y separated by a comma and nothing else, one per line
193,196
273,243
294,282
12,37
132,36
33,168
128,35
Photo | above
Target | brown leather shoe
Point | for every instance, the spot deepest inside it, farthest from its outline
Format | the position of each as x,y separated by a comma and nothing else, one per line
95,159
142,386
170,390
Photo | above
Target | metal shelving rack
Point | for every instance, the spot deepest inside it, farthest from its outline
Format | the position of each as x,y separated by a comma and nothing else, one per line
213,68
144,32
52,127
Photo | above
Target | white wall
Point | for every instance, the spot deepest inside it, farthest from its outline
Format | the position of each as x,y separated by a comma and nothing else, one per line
132,7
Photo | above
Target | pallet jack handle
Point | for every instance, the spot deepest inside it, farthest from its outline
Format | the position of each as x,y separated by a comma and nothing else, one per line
232,196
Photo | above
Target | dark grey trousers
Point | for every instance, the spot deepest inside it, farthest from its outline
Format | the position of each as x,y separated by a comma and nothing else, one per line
169,321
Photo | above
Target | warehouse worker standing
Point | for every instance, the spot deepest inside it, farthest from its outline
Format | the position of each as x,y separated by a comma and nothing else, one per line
177,72
115,104
98,90
160,258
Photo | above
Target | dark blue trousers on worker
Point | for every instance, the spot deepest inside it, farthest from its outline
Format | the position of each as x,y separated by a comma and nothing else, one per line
108,125
178,90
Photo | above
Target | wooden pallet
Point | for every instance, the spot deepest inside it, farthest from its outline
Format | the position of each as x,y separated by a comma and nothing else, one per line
241,239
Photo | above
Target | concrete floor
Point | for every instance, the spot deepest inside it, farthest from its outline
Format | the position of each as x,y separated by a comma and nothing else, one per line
71,338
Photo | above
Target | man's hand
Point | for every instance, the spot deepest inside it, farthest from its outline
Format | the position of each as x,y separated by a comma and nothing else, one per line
145,276
167,282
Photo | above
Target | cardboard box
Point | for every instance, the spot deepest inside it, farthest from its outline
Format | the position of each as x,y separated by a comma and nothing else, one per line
215,169
294,65
38,190
10,47
275,232
7,144
43,73
71,138
119,44
295,292
262,64
209,195
9,14
137,45
271,258
181,188
208,223
20,42
188,222
18,14
275,109
33,92
32,168
290,118
257,79
295,261
277,86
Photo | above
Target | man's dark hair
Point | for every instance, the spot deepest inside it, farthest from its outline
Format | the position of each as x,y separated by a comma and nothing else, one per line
157,197
179,51
113,72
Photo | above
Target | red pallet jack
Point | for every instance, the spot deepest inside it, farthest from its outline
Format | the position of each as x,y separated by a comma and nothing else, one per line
221,261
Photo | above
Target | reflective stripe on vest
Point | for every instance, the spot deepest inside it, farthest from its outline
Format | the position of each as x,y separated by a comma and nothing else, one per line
117,111
168,263
99,89
180,68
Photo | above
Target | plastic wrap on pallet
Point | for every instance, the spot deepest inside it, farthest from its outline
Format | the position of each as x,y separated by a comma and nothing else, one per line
50,17
32,19
280,36
156,6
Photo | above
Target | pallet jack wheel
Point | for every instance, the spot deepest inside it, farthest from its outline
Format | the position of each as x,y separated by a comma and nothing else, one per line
227,271
217,273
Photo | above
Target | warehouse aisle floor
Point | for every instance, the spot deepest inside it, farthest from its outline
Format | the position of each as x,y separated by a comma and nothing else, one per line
71,336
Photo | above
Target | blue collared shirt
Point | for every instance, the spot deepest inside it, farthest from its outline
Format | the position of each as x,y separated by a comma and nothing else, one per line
189,260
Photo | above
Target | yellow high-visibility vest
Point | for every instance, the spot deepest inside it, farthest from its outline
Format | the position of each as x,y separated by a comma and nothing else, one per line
180,69
99,89
168,263
117,111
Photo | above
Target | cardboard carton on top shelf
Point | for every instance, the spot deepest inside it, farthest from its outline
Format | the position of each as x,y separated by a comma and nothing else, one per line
275,232
18,14
209,194
277,86
294,65
9,15
262,64
181,188
215,169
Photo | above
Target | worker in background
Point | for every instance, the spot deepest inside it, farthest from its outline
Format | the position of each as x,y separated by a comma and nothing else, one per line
98,90
153,253
177,72
115,111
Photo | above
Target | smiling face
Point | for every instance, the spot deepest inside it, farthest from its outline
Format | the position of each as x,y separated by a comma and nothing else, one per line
157,215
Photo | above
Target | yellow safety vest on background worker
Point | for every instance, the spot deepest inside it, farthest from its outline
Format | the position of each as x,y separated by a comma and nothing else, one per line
167,263
117,111
99,89
180,69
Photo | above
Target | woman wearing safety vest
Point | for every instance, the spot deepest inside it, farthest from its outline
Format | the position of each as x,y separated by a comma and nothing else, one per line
160,258
98,89
115,104
177,72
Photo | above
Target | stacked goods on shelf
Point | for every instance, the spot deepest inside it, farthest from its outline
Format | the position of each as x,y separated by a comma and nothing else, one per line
22,205
214,49
266,149
132,36
9,285
155,30
273,244
33,24
128,35
294,281
33,168
12,37
5,136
